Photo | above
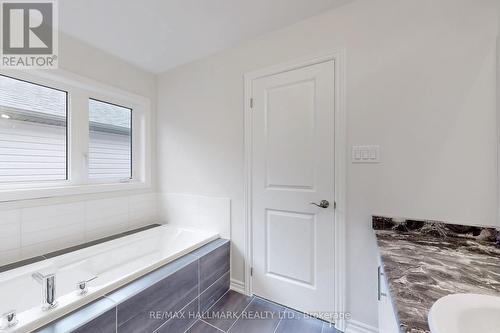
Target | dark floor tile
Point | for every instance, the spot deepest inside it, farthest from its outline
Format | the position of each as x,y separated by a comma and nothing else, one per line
182,320
214,292
225,312
202,327
329,328
259,317
213,265
296,322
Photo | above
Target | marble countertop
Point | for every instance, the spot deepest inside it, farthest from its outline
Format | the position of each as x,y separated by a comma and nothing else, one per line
426,260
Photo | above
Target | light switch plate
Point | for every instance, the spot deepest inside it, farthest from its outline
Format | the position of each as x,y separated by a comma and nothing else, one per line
365,154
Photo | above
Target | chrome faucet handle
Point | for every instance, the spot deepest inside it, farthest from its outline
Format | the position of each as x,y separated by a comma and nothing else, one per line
83,285
8,320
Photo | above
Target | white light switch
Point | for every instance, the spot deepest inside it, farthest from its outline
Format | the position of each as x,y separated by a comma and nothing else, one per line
365,154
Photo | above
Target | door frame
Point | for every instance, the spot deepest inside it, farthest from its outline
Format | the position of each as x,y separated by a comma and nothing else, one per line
340,153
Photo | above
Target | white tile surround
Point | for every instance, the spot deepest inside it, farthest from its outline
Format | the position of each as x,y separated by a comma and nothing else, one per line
32,231
196,211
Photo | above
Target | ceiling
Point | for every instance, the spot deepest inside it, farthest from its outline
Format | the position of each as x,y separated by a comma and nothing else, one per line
157,35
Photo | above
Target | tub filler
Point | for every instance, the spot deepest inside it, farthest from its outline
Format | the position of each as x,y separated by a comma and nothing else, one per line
113,284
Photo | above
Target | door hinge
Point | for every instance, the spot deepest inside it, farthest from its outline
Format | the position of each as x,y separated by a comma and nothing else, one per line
335,205
251,103
251,271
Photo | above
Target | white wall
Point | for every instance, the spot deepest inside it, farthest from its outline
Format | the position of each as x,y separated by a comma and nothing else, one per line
498,101
420,82
85,60
34,227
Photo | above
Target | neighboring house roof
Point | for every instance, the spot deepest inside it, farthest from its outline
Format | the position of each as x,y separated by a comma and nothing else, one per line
27,96
105,113
31,102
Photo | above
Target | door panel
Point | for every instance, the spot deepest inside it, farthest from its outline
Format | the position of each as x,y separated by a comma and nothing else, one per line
292,166
290,160
282,253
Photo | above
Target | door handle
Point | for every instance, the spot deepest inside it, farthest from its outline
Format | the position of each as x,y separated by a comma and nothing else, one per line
322,204
379,287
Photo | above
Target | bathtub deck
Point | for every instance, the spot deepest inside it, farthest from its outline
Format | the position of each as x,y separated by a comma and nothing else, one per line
32,260
192,284
190,294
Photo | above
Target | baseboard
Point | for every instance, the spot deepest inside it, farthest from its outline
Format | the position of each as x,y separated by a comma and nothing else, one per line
353,326
237,286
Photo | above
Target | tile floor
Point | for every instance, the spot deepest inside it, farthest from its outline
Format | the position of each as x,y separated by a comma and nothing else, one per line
237,313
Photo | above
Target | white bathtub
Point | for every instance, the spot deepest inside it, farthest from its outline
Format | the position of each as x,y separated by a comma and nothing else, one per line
114,263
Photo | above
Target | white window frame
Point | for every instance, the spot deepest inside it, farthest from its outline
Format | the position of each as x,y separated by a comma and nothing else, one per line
80,90
133,164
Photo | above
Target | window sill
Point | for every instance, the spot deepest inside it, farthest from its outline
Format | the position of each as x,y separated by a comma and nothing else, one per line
8,195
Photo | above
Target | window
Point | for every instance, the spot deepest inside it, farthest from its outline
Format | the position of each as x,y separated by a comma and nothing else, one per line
62,134
33,132
110,141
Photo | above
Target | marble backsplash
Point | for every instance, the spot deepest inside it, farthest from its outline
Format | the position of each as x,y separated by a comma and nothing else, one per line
438,229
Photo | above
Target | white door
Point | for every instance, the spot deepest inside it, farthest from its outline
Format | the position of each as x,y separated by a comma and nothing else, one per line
292,167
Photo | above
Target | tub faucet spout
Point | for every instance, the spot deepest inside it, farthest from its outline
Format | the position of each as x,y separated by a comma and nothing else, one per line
48,282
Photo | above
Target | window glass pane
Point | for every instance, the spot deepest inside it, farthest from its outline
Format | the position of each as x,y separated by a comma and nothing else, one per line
110,148
32,132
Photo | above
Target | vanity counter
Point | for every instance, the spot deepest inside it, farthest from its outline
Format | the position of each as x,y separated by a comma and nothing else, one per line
426,260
